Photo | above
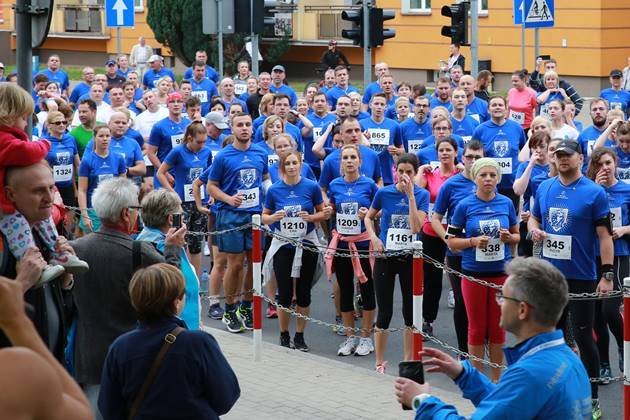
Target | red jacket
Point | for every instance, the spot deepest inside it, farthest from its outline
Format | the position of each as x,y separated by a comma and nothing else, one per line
17,150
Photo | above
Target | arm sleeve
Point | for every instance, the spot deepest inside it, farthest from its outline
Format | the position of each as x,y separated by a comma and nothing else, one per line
435,409
215,369
111,403
23,153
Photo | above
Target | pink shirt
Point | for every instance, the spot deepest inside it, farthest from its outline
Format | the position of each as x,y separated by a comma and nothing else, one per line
522,105
435,180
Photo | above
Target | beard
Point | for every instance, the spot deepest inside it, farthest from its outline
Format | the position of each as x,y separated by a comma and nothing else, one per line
599,121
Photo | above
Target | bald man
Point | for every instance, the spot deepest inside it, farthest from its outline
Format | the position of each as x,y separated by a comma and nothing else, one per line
476,107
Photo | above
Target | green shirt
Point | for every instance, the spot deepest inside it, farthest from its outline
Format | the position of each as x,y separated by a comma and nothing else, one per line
82,137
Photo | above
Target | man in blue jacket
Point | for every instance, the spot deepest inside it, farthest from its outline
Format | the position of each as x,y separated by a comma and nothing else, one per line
544,378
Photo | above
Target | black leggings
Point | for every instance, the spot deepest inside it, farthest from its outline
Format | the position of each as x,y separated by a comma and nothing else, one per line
607,315
580,321
509,193
385,270
345,279
525,246
460,317
435,248
282,263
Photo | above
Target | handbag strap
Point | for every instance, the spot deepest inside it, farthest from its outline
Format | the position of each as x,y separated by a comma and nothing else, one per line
169,339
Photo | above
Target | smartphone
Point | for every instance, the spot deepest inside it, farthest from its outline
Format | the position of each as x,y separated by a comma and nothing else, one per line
177,220
413,370
545,57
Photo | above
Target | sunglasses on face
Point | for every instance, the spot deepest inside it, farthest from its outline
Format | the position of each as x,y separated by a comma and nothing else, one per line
60,123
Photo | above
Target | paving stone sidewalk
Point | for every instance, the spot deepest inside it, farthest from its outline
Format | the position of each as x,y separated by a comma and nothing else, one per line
288,384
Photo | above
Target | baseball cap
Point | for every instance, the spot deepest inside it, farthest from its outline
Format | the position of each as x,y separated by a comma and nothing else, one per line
174,96
616,73
153,58
332,42
216,118
569,147
278,67
110,62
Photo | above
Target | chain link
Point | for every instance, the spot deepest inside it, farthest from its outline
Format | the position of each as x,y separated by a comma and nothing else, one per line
223,297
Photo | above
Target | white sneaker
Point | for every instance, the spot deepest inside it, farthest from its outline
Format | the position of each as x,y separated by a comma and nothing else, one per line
347,347
365,347
206,250
451,299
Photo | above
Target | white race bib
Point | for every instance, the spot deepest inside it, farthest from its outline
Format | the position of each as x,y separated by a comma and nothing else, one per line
348,224
623,174
494,251
518,117
62,173
414,146
317,131
617,222
466,139
102,178
379,138
240,88
271,159
505,164
398,239
251,198
188,192
201,94
293,227
177,139
557,247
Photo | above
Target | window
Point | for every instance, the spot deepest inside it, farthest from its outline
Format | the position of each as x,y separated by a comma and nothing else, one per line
415,7
483,7
138,5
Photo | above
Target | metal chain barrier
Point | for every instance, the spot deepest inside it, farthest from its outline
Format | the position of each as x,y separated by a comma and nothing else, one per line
223,297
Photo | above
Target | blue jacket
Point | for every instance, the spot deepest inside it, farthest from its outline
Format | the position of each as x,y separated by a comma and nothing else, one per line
194,381
548,383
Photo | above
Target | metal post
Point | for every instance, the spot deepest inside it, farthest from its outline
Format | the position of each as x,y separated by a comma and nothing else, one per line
523,46
220,34
258,292
254,40
367,52
474,37
118,40
626,348
24,52
418,292
536,45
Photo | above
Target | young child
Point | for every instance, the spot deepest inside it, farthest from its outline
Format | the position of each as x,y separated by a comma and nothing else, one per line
16,105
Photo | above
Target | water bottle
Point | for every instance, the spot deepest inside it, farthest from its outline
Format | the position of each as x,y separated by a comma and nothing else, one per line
203,287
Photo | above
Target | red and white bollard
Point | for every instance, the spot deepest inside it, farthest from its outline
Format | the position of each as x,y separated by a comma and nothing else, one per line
418,291
626,348
258,292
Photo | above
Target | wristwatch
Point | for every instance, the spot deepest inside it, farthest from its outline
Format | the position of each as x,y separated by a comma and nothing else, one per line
418,400
610,276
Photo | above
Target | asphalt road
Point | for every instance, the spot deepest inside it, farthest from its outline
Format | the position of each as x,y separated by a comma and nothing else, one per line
324,342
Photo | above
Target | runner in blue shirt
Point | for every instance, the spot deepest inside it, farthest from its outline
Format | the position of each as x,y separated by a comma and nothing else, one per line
277,76
384,136
156,72
281,107
463,124
617,97
202,87
374,87
236,182
415,130
82,87
442,94
553,92
210,73
321,119
292,207
570,214
63,156
227,95
56,74
619,131
588,137
403,207
475,107
502,139
282,144
97,166
442,128
483,229
341,88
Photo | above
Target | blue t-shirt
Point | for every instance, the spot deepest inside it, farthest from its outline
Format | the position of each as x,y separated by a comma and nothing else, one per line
335,92
478,217
79,90
215,144
502,143
623,165
429,156
372,89
465,127
348,198
287,90
617,99
320,124
151,76
414,134
61,159
568,215
478,109
382,135
536,171
274,174
167,134
288,128
211,74
187,166
555,96
135,135
59,76
303,196
204,90
435,102
394,205
237,171
619,202
98,169
235,100
587,139
126,147
370,166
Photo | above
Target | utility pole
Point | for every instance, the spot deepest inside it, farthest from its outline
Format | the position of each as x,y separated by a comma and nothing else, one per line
24,53
220,34
254,41
474,37
367,52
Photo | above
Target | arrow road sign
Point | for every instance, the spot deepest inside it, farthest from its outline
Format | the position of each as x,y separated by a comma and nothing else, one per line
119,13
539,13
518,12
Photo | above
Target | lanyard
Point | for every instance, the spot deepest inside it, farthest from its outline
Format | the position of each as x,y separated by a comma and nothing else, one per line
543,346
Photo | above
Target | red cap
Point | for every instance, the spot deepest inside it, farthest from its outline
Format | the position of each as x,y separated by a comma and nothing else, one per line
173,96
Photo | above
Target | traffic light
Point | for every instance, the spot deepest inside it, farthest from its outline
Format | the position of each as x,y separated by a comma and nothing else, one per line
377,33
256,22
458,31
356,33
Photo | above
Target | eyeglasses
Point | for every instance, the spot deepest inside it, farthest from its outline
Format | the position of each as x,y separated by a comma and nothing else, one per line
59,123
501,299
471,157
136,208
441,128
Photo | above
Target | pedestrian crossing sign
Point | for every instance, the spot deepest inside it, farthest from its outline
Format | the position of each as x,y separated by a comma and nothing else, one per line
539,13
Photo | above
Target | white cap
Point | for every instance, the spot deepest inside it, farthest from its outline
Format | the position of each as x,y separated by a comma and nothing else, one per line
153,58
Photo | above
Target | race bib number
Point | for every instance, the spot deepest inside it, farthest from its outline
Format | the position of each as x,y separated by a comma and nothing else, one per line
518,117
104,177
348,224
271,159
240,88
616,105
494,251
557,247
414,146
624,175
317,131
398,239
293,227
62,173
379,138
251,198
188,192
505,164
177,139
615,214
466,139
201,94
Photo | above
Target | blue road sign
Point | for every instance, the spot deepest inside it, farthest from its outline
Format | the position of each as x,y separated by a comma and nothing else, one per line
538,13
119,13
518,12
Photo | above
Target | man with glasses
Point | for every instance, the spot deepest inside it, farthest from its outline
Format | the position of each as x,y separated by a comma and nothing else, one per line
544,378
414,130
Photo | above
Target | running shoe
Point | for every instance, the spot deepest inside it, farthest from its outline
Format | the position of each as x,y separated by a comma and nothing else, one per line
285,340
298,342
605,373
365,347
339,328
597,410
272,312
380,368
215,311
232,323
450,301
246,316
347,347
